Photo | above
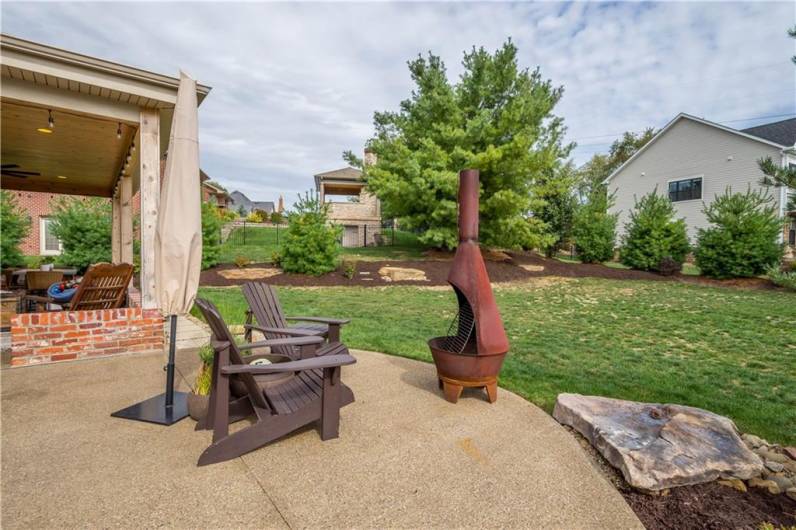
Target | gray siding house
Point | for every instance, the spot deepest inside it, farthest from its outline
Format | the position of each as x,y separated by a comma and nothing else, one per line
693,160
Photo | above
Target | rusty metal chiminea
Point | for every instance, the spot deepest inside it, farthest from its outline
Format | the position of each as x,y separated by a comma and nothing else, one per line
472,353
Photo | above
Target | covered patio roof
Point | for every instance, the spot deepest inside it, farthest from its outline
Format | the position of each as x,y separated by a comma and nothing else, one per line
96,107
79,125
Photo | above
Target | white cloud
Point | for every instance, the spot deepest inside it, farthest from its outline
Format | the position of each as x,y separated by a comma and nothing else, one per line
296,84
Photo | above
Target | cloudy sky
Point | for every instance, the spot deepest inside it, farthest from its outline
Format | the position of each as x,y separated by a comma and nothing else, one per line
296,84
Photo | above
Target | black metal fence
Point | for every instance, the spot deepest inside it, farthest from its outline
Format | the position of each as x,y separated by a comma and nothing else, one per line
352,235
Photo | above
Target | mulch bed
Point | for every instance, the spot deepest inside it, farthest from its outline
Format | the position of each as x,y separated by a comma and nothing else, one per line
705,506
712,506
436,270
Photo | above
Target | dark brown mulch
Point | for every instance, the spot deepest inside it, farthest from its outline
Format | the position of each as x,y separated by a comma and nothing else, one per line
501,268
436,271
704,506
712,506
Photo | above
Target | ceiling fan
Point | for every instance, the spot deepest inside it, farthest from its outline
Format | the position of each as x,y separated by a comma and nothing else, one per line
8,170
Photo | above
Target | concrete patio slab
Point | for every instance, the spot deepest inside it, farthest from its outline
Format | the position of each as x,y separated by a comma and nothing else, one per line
405,458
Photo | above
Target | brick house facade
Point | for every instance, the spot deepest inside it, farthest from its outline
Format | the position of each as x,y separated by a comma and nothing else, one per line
39,207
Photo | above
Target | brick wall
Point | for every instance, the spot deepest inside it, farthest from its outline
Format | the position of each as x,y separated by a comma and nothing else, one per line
67,335
37,205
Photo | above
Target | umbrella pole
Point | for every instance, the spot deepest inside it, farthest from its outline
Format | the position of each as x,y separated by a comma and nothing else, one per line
163,409
170,365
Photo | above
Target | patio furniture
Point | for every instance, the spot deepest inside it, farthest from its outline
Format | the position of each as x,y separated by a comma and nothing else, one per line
17,276
36,284
104,286
264,306
283,395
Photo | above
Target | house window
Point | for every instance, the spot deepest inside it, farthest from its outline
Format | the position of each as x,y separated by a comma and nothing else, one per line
685,190
49,245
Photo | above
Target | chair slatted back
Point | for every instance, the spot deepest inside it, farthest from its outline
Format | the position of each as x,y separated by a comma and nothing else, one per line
267,310
221,333
41,280
104,286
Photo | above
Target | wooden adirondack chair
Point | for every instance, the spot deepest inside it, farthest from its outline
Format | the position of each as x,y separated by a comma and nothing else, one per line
283,396
104,286
264,306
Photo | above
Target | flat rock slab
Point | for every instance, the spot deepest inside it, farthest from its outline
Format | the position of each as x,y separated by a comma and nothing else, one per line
401,274
659,446
249,273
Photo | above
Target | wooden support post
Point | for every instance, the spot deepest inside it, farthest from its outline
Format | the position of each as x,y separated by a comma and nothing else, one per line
149,156
116,227
126,221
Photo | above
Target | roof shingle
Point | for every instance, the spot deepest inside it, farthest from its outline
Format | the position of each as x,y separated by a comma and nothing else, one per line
780,132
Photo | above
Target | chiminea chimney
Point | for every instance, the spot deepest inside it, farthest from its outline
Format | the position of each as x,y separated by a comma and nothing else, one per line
472,353
370,157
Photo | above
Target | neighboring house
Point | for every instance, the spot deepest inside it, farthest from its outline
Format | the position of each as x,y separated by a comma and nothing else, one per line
350,205
213,193
238,200
693,160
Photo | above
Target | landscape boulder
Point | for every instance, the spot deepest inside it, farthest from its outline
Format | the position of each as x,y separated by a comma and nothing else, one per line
658,446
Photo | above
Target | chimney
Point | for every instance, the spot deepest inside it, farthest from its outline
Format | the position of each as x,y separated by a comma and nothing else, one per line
370,157
281,205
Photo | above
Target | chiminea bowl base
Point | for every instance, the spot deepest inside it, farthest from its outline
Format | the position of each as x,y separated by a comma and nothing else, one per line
452,388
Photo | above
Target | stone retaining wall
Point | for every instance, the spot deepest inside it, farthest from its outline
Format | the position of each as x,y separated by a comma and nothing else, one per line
68,335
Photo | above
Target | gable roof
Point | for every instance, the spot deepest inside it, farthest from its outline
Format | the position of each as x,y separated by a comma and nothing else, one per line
350,174
781,132
684,116
239,198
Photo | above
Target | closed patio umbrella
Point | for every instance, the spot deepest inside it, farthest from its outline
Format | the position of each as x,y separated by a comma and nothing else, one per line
178,247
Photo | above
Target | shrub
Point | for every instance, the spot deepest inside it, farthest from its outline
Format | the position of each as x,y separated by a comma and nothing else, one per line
84,227
743,237
277,218
349,268
257,216
241,261
14,227
782,278
669,266
594,229
310,244
653,234
211,236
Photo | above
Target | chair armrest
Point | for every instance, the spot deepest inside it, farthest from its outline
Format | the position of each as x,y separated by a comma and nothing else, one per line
283,331
327,361
324,320
297,341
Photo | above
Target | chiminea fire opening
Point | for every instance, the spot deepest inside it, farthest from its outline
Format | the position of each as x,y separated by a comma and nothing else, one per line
472,352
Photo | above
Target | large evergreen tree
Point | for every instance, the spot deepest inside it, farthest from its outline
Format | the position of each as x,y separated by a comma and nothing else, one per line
497,118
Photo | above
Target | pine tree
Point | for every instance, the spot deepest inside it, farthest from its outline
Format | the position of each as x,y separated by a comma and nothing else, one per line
498,118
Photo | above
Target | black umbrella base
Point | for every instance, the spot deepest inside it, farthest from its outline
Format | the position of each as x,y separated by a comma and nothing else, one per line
154,410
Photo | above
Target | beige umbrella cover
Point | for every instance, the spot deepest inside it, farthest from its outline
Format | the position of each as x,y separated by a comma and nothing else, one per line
178,239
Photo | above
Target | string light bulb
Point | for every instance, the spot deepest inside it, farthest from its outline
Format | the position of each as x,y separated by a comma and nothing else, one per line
132,147
119,131
50,120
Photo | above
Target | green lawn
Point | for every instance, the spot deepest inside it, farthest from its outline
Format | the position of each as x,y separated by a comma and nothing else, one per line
730,351
261,242
258,244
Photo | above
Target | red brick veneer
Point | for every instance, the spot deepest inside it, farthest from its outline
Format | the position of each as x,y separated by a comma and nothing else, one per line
66,335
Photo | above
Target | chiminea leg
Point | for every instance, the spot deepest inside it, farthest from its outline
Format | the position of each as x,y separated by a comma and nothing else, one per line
491,391
452,391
